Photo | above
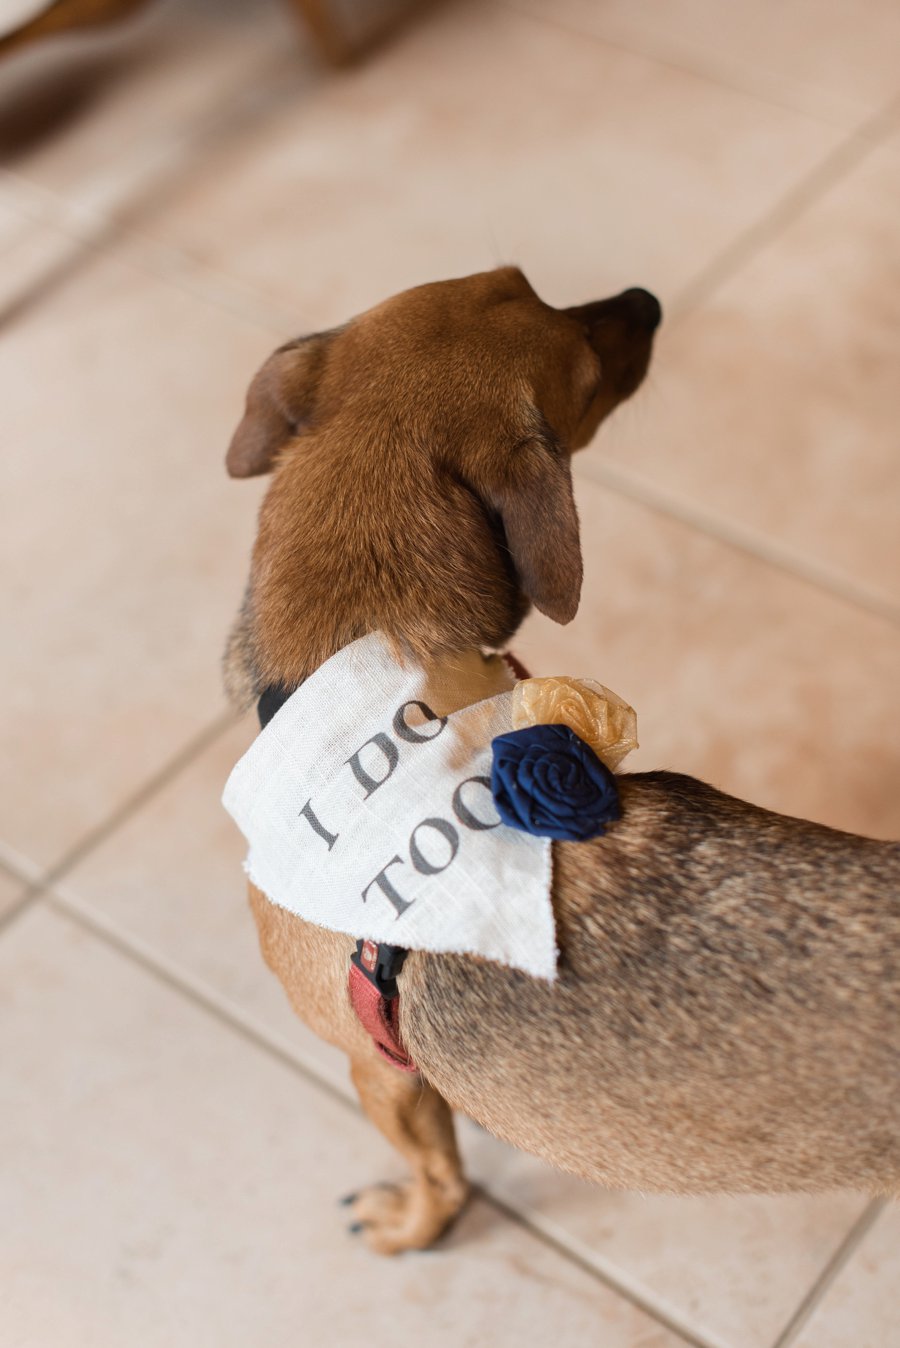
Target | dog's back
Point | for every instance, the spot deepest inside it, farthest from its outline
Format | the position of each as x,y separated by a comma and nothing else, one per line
712,951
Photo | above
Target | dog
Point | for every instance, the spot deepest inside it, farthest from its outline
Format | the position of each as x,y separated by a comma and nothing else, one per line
726,1015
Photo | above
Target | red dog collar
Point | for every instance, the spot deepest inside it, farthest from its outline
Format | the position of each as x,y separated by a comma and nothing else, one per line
376,1000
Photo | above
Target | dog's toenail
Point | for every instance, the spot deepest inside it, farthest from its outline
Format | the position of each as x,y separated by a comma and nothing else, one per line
347,1200
356,1227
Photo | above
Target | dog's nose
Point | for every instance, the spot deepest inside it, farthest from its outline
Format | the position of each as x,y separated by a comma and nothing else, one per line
636,308
644,307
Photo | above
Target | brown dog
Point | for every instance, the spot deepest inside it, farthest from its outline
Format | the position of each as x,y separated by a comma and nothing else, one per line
727,1010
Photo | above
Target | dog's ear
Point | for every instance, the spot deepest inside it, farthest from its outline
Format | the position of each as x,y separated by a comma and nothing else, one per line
532,494
280,404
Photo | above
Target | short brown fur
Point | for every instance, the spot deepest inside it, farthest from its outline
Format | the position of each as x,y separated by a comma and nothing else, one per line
727,1009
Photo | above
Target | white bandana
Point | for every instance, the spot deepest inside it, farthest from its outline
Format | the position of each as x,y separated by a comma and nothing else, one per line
366,802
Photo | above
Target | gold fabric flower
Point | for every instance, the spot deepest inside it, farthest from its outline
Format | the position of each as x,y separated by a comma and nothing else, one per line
598,716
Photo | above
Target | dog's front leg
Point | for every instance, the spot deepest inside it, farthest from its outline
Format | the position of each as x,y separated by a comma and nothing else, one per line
312,965
418,1122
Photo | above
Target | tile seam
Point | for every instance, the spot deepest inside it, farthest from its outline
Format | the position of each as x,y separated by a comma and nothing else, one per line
820,1287
576,1253
9,916
10,871
191,989
229,1016
93,238
107,228
138,798
95,230
803,194
740,538
712,72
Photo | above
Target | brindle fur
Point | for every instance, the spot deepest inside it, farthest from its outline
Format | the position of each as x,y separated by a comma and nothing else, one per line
727,1009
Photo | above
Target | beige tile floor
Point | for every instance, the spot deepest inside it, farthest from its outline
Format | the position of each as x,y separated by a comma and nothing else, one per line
177,198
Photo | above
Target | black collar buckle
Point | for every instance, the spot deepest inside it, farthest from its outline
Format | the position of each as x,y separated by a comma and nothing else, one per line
380,964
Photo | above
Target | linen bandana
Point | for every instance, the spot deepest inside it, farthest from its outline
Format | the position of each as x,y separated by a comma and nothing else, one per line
367,805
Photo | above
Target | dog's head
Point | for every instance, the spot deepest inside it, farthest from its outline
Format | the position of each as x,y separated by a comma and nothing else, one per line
421,479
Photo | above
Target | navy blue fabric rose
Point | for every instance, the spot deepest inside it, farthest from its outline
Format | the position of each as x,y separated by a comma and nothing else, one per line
548,782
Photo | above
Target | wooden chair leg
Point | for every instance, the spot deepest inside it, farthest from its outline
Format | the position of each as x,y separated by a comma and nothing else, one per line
334,44
66,16
338,45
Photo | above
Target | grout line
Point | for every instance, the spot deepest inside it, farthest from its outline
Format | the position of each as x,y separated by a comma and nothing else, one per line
95,229
17,865
221,1009
50,277
92,237
576,1254
15,870
145,792
657,53
95,226
808,189
852,147
848,1246
196,992
21,905
218,289
762,548
36,886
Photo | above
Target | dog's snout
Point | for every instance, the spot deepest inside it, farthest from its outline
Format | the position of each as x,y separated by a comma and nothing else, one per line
644,307
636,308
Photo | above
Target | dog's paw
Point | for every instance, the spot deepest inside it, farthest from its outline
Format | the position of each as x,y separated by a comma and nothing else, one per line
392,1218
